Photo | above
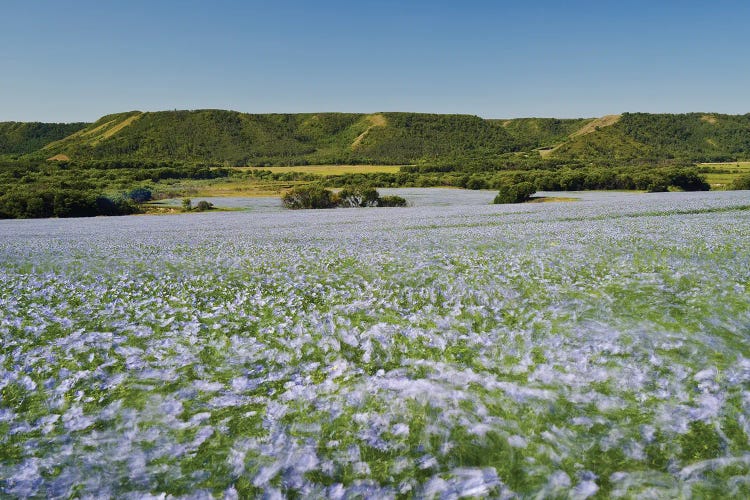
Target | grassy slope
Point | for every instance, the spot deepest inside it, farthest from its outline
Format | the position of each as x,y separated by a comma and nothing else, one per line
608,142
692,136
533,133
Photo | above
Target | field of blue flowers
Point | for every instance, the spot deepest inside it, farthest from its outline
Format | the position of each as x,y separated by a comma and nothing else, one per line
447,349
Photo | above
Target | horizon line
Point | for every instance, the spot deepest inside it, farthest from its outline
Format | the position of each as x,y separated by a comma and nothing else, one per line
176,110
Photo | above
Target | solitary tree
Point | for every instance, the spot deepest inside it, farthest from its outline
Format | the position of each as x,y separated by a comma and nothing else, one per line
308,197
515,193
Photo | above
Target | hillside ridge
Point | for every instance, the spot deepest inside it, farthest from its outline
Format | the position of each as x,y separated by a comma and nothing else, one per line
234,138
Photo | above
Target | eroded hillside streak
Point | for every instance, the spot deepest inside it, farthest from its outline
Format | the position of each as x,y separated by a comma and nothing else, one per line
376,120
593,126
113,130
589,128
95,135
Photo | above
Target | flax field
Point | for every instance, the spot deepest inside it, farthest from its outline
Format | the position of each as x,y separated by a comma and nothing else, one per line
597,348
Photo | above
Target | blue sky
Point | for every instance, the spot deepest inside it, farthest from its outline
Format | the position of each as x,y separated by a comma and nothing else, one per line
68,60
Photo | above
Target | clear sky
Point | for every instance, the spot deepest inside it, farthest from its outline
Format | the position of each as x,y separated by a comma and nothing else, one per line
75,60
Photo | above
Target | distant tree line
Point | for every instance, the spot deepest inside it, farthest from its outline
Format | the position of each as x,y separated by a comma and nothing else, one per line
521,187
62,203
565,179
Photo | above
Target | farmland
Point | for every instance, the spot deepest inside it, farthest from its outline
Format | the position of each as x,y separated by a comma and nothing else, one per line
334,169
252,186
451,348
722,174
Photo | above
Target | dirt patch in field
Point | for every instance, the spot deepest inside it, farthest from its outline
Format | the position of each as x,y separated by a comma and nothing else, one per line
709,119
60,157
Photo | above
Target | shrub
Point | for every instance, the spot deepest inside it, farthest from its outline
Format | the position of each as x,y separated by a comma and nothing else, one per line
688,180
68,203
117,206
203,205
476,183
125,206
308,197
515,193
657,186
742,182
140,195
105,206
391,201
187,204
358,197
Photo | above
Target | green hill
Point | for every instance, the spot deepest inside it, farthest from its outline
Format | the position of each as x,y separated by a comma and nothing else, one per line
232,138
692,136
410,137
240,139
20,138
536,133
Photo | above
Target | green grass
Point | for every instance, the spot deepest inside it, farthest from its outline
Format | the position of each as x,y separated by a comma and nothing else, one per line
331,169
723,174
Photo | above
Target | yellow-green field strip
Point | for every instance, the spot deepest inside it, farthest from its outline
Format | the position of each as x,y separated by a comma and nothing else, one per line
722,174
331,169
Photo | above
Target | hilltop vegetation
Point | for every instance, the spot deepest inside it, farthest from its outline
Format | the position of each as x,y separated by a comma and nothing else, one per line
227,137
212,136
18,138
411,137
641,136
236,139
535,133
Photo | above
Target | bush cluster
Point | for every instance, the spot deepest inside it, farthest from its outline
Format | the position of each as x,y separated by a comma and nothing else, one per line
742,182
515,193
315,196
62,203
201,206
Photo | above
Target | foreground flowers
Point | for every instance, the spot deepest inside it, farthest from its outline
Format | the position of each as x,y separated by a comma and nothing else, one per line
596,346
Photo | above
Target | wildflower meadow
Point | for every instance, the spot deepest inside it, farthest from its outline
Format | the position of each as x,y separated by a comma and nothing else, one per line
448,349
